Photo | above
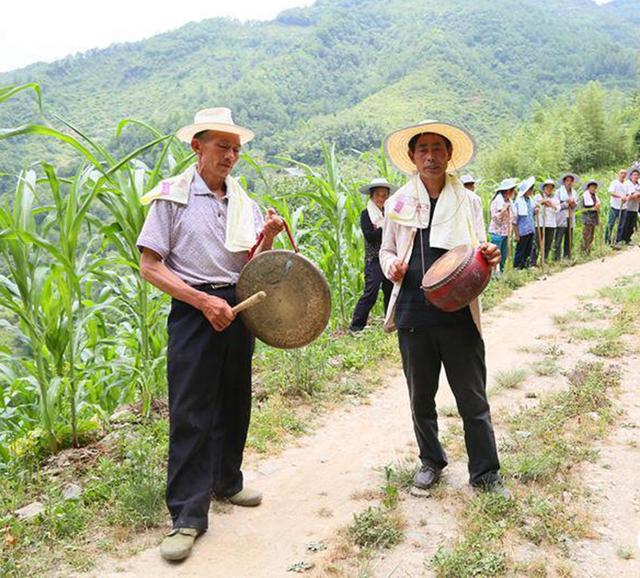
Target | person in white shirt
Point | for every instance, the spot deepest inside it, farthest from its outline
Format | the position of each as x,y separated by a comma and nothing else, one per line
629,216
547,205
618,193
566,216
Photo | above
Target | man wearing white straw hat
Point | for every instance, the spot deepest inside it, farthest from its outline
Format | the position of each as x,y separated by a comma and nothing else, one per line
371,221
194,242
425,218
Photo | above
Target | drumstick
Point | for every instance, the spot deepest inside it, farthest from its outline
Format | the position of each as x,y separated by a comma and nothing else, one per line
250,301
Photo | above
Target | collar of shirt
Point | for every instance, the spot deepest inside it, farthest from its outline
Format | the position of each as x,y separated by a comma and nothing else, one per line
199,187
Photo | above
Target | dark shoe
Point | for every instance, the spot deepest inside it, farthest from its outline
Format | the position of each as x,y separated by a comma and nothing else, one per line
426,477
177,544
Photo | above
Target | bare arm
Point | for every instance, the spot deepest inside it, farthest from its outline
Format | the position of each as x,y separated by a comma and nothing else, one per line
216,310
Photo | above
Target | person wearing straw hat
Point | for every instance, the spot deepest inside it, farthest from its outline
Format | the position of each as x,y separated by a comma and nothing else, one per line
371,222
590,206
566,216
194,242
501,210
547,205
429,215
523,225
618,193
629,217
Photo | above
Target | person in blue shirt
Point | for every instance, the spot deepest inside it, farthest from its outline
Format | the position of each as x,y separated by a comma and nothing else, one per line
523,224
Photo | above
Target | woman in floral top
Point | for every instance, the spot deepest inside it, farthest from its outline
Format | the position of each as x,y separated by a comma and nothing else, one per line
501,215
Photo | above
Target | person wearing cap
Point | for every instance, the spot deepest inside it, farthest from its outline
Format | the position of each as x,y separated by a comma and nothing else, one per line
431,214
501,210
618,192
194,242
523,224
629,217
547,205
469,183
371,222
566,216
590,206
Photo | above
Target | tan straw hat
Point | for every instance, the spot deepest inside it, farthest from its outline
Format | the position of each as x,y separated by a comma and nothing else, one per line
396,145
218,119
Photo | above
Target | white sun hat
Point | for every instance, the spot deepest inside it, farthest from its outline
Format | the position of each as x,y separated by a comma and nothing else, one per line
218,119
375,183
468,179
525,185
507,185
396,145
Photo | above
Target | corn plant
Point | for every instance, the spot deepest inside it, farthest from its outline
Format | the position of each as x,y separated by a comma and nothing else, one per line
336,242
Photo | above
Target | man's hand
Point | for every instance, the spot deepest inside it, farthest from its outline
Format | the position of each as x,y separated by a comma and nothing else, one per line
217,311
398,270
273,224
491,253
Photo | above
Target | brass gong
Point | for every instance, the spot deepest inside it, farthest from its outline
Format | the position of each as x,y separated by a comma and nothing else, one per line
297,305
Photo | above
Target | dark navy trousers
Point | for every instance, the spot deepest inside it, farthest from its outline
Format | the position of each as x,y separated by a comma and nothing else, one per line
209,375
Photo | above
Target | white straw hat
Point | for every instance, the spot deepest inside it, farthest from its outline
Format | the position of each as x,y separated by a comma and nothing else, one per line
467,179
526,185
396,145
218,119
551,182
375,183
507,185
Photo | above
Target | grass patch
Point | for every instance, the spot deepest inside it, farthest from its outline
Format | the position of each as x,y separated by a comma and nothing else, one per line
545,367
376,528
469,558
544,443
123,489
510,379
401,473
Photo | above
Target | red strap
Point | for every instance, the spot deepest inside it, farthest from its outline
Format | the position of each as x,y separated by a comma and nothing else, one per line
260,238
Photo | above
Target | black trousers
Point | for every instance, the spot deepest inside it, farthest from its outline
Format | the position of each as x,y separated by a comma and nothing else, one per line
563,243
627,227
373,279
524,248
209,375
460,349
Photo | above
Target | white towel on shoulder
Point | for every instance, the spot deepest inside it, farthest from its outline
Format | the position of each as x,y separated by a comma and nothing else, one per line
240,234
375,214
452,218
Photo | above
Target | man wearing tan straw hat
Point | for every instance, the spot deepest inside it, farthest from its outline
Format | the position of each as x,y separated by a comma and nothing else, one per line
425,218
194,242
371,221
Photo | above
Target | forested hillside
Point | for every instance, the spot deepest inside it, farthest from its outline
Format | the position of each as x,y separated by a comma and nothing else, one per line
340,70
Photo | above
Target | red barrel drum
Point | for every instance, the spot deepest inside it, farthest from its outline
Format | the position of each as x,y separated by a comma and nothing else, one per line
456,278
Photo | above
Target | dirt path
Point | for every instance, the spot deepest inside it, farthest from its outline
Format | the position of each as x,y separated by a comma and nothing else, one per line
308,489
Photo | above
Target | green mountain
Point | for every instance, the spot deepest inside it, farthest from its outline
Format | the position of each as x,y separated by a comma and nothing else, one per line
341,70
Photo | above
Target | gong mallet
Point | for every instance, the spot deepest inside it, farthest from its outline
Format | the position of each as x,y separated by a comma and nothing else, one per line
249,302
